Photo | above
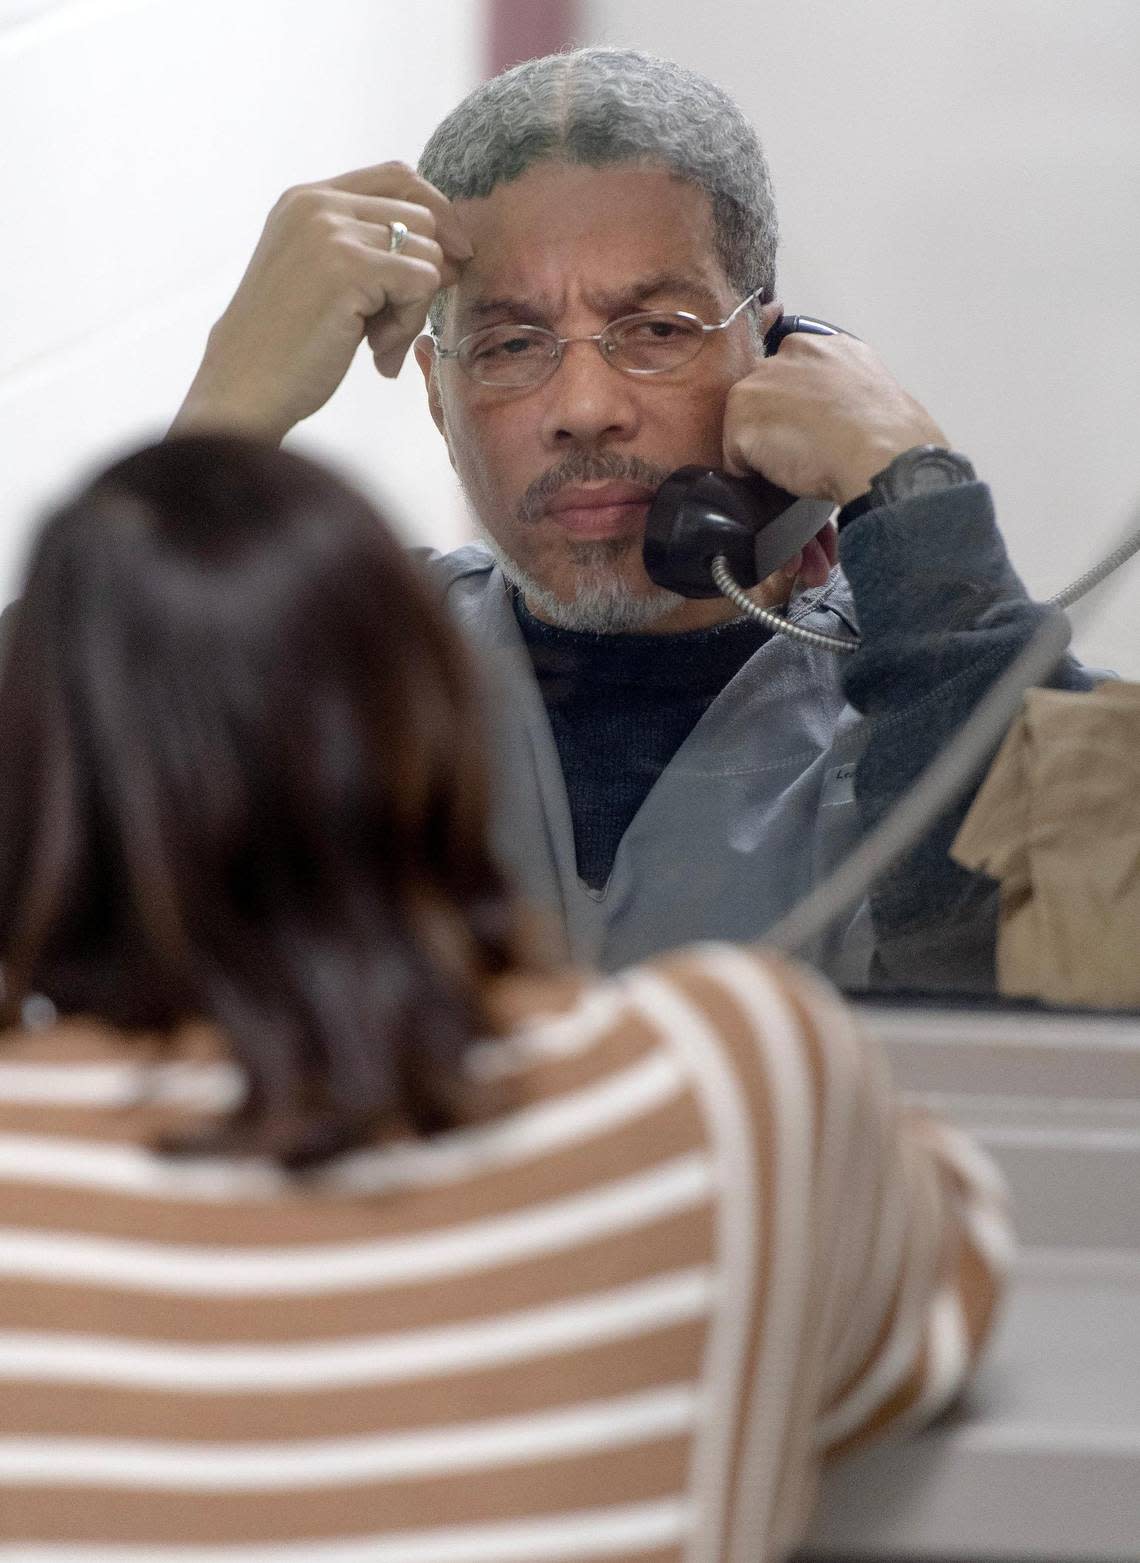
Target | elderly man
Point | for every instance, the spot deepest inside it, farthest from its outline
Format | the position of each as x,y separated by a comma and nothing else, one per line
594,237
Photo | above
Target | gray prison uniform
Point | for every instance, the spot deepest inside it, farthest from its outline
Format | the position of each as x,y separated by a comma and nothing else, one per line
799,753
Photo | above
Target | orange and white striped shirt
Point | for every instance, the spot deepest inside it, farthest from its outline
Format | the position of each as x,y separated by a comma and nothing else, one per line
621,1316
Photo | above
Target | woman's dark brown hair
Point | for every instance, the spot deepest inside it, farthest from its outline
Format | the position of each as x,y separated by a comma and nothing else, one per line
242,779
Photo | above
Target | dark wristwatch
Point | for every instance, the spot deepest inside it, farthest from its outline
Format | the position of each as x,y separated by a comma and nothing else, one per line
921,470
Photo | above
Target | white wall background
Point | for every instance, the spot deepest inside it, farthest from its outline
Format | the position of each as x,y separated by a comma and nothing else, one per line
143,142
959,182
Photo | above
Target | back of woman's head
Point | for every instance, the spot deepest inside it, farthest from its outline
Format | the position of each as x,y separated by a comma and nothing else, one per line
242,779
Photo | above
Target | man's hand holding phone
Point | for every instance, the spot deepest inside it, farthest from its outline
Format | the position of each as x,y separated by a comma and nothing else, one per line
323,278
820,418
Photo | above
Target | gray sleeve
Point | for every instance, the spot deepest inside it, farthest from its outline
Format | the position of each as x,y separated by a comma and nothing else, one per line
942,614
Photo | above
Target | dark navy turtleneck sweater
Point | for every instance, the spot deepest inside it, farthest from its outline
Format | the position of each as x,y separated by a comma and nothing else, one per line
620,707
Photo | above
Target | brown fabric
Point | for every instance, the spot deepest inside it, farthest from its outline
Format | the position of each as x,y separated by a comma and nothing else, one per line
725,1318
652,1471
1057,822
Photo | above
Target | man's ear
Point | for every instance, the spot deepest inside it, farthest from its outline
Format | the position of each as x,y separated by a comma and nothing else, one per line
424,350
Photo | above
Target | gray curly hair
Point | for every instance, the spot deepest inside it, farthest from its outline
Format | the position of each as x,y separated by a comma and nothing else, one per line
602,106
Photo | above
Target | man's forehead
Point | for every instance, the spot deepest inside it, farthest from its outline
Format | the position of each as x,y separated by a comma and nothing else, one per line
613,237
512,294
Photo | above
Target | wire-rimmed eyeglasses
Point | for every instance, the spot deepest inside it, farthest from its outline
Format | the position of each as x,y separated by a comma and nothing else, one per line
649,342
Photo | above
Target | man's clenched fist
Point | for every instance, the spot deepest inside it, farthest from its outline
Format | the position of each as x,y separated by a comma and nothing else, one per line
322,279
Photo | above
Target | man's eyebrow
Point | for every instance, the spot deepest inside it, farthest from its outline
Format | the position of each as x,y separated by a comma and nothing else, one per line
625,300
509,308
679,284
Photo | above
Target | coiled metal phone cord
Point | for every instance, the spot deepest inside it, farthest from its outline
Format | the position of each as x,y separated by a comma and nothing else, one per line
729,587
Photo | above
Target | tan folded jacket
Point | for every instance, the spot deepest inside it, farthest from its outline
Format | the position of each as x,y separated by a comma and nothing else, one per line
1057,822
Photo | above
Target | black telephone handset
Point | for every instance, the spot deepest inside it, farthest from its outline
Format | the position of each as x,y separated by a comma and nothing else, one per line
700,512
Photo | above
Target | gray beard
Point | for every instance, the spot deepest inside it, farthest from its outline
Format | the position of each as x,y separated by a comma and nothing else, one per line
603,603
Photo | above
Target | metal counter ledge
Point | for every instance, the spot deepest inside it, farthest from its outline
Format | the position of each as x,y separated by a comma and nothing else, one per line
1041,1460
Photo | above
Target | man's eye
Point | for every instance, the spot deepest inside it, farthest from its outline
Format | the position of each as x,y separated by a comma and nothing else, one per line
499,347
655,330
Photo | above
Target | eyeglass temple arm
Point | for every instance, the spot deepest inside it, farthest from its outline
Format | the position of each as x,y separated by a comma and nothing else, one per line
720,325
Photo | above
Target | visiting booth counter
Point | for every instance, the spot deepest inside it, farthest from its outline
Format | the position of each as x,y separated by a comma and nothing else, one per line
1041,1460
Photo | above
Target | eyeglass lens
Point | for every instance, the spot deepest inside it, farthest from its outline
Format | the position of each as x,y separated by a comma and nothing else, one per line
640,344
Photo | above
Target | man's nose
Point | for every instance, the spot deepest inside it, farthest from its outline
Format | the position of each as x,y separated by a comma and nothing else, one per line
588,401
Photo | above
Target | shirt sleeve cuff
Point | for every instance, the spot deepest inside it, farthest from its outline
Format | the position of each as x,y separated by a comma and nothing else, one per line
931,564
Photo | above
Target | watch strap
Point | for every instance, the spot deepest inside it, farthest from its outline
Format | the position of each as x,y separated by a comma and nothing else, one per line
854,508
891,484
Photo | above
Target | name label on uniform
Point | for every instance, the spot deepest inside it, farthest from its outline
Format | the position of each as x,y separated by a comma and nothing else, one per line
839,786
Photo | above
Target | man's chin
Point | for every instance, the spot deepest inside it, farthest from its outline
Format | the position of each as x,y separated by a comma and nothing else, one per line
603,608
596,594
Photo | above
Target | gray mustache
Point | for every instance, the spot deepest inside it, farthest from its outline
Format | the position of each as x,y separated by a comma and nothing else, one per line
584,467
